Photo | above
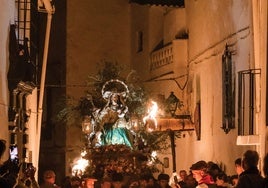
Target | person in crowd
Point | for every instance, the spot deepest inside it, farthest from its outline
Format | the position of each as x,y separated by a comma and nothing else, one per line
183,175
66,182
251,177
175,180
75,182
89,182
222,180
190,181
200,173
134,182
8,169
27,178
117,180
143,181
163,180
234,180
213,169
105,182
151,182
238,166
49,178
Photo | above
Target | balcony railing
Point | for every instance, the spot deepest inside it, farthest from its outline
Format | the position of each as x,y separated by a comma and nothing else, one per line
170,58
162,57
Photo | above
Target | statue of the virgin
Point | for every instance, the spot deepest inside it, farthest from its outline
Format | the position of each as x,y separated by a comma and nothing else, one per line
111,120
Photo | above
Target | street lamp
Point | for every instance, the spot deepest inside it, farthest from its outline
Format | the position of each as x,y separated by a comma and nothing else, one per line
173,103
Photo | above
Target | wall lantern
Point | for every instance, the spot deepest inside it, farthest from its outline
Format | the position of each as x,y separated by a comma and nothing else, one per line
173,103
166,162
86,125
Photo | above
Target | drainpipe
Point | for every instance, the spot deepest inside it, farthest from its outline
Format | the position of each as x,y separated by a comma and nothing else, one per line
49,11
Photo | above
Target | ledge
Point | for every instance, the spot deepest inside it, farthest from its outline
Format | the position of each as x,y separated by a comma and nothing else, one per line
248,140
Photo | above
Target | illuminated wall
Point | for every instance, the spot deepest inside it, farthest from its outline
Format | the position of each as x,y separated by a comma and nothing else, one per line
7,14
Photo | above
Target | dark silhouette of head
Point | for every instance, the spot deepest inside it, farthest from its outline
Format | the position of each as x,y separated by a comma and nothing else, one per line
250,159
2,147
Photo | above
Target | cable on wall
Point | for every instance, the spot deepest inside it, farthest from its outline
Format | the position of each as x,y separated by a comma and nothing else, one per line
223,42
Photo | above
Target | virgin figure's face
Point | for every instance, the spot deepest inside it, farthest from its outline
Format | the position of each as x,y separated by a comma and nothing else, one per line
115,99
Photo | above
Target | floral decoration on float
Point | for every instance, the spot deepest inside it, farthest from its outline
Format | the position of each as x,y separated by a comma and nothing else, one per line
119,132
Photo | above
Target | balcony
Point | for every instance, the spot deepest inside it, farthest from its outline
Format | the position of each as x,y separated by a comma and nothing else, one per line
171,59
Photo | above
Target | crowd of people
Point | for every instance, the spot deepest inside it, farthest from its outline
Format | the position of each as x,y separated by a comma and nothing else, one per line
204,174
201,174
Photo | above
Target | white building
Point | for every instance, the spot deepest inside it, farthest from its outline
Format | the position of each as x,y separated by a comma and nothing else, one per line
152,40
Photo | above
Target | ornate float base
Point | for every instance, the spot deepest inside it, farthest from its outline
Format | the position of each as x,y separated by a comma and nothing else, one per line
106,160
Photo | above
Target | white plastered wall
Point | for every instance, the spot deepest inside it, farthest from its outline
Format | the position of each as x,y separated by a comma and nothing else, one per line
7,12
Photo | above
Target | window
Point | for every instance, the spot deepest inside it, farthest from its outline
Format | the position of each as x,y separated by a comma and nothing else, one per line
228,92
139,41
247,101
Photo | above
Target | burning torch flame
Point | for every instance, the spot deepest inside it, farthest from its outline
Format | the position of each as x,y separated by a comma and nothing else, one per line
153,158
152,111
80,167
